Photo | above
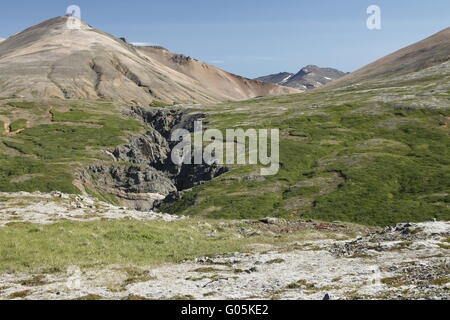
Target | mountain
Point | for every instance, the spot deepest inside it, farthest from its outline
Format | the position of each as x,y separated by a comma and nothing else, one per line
430,52
280,78
212,78
2,39
310,77
50,60
377,153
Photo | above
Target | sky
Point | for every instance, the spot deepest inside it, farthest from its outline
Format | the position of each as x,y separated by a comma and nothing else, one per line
251,37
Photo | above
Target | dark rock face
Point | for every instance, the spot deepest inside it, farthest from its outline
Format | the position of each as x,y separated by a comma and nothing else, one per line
150,148
132,179
181,59
143,173
165,121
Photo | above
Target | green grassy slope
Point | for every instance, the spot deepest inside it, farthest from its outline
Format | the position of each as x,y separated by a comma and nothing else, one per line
62,137
375,154
369,155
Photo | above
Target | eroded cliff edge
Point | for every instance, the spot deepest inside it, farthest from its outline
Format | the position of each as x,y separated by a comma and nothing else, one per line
142,173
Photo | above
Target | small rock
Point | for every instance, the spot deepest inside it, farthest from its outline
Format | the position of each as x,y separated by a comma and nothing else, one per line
269,220
251,270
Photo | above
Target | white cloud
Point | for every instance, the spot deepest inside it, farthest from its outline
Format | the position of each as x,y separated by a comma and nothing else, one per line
143,44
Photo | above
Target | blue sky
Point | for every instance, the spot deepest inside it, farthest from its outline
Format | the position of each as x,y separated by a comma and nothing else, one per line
251,37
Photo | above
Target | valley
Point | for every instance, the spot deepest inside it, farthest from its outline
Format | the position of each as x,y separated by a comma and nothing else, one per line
92,207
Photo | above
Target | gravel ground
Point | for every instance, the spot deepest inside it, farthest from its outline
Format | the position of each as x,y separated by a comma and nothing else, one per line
409,261
48,208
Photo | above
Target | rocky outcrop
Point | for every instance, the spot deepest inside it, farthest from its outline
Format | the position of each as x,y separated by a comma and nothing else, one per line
132,179
149,148
48,208
165,121
143,173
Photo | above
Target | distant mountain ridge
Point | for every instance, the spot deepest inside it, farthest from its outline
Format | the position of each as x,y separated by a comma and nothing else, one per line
280,78
309,77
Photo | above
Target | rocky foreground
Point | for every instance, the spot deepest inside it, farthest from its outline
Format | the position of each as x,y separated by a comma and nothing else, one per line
48,208
408,261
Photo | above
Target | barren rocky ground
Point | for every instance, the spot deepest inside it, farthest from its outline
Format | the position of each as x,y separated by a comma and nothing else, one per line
387,267
47,208
408,261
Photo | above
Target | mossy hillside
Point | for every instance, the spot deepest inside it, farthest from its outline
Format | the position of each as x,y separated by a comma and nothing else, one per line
390,159
61,138
19,173
345,154
18,125
22,104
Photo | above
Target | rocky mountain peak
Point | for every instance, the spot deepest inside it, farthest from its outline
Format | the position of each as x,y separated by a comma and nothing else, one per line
309,68
309,77
57,25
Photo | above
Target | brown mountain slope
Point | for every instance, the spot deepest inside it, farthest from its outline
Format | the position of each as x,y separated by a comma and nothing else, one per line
50,60
427,53
212,78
